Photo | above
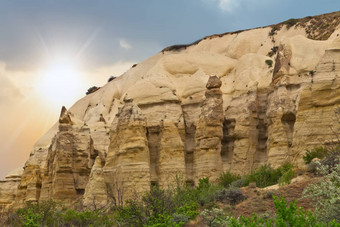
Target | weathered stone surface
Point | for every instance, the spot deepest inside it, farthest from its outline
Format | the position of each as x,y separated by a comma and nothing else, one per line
207,161
171,163
127,166
8,189
231,102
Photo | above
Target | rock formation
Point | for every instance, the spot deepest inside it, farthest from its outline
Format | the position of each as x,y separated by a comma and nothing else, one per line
229,102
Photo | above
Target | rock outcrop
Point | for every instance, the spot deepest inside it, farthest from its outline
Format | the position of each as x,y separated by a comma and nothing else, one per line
229,102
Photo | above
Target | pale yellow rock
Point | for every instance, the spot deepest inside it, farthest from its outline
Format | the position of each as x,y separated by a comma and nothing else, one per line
9,188
278,96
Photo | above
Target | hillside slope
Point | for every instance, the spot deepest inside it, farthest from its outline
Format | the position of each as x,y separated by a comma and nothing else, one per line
233,102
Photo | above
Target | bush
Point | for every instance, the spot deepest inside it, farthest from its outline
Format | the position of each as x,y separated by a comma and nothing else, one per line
180,219
266,175
286,177
161,207
215,217
291,22
111,78
230,195
206,192
238,183
286,215
226,178
50,213
332,158
325,194
318,152
269,62
91,90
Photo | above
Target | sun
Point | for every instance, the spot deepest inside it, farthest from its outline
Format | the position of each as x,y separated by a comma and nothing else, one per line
61,83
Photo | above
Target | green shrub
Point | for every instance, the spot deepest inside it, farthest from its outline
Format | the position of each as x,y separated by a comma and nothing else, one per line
161,207
291,22
230,195
286,215
291,215
215,217
286,177
226,178
326,194
50,213
92,89
266,175
269,62
180,219
318,152
238,183
332,158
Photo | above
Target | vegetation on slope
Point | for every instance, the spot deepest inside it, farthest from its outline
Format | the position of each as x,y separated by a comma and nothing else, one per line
209,204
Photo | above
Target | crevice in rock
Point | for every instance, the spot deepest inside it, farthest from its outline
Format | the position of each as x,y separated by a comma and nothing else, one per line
227,150
262,130
153,135
189,147
191,112
288,120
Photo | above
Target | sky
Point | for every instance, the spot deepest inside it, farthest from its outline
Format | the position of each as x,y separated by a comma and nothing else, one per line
52,51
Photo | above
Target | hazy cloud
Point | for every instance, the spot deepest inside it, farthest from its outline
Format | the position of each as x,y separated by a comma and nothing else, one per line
124,44
233,5
8,90
228,5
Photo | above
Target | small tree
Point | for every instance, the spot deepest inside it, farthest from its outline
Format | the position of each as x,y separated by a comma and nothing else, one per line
91,90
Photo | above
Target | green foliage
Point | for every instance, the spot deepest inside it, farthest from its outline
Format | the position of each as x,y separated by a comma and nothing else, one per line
318,152
92,89
266,175
286,177
230,195
50,213
269,62
326,194
291,22
215,217
226,178
161,207
291,215
286,215
238,183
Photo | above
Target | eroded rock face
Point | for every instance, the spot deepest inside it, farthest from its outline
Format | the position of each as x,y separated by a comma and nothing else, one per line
231,102
9,189
207,155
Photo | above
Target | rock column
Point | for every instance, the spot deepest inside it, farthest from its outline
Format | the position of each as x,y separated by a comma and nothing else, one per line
207,155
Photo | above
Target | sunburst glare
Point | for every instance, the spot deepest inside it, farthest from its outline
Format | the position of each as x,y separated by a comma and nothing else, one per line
61,83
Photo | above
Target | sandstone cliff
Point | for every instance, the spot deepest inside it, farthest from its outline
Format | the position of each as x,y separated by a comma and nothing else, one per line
228,102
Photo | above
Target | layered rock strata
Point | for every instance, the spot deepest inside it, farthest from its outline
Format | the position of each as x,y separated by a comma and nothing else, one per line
229,102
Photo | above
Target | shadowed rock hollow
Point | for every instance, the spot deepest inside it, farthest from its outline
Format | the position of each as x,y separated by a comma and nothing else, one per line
229,102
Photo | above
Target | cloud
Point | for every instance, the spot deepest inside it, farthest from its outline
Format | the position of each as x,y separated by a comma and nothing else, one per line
124,44
228,5
9,91
231,6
